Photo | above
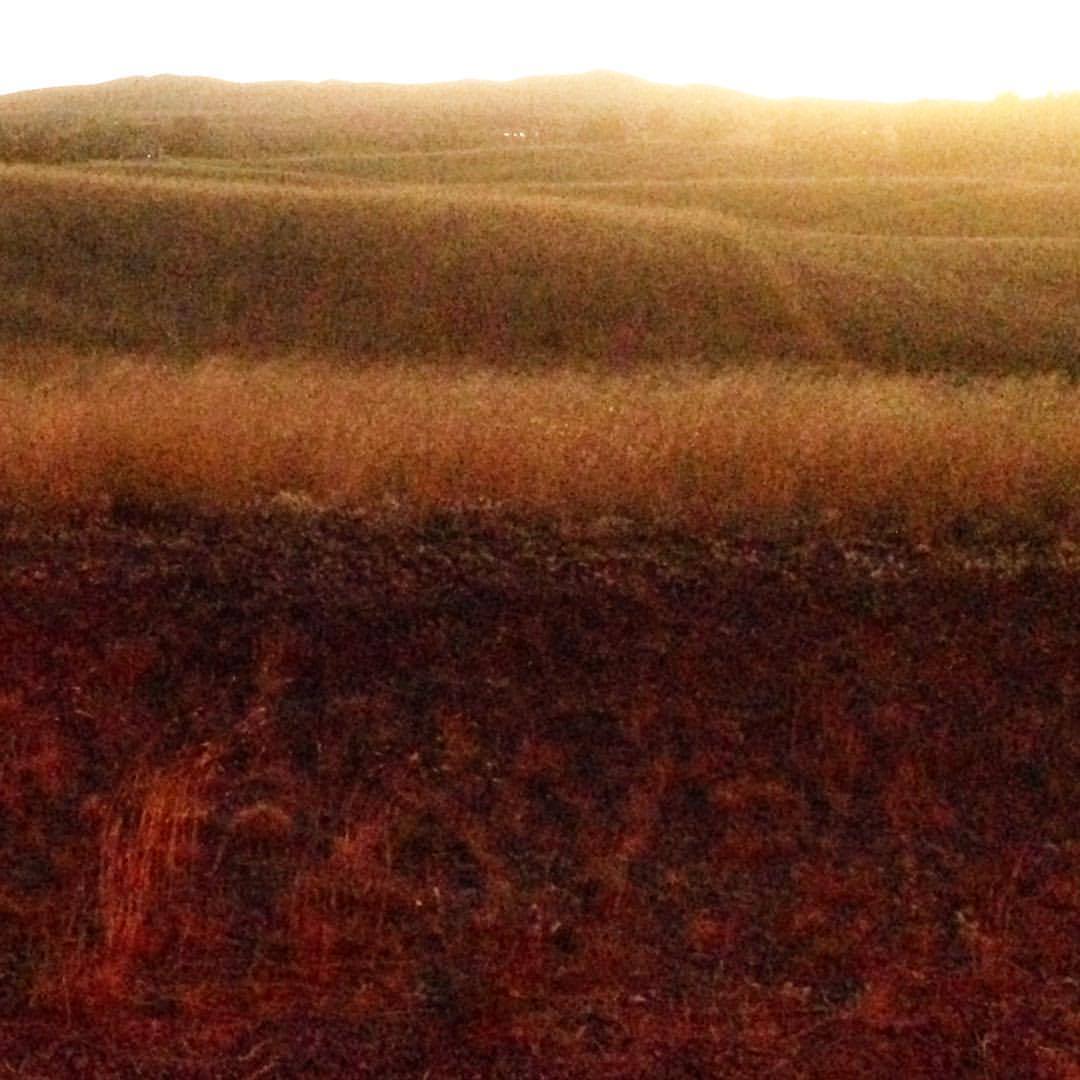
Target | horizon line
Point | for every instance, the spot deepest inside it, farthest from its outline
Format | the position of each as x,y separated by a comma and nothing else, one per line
608,72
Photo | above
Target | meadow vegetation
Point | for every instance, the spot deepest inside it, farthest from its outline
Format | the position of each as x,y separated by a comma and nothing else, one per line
851,453
576,611
187,266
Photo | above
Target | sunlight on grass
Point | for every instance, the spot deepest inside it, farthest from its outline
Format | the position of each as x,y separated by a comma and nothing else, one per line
919,453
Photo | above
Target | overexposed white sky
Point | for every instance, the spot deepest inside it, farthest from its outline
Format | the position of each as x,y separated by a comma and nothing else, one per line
874,49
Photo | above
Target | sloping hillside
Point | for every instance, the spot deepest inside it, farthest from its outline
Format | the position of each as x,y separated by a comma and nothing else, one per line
172,94
254,118
186,267
190,265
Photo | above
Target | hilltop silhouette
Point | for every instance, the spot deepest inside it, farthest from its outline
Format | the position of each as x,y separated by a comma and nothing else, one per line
197,116
178,94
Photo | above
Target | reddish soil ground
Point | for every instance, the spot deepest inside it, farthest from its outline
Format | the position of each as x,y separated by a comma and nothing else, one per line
335,796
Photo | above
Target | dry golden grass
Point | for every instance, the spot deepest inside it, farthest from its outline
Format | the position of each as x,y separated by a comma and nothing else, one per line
193,268
965,207
912,275
757,444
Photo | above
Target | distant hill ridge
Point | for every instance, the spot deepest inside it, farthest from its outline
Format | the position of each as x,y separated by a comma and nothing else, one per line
190,116
228,119
178,94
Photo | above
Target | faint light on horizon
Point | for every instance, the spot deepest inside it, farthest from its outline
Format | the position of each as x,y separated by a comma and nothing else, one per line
830,49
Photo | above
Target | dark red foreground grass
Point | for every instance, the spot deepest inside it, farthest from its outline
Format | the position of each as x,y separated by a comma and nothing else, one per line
290,795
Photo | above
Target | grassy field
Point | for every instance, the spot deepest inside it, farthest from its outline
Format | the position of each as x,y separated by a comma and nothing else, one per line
778,449
902,206
714,272
572,613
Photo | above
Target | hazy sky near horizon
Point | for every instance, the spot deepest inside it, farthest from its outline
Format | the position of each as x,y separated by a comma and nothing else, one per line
872,49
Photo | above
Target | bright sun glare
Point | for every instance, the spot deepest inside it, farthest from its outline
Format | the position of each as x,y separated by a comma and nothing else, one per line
970,49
